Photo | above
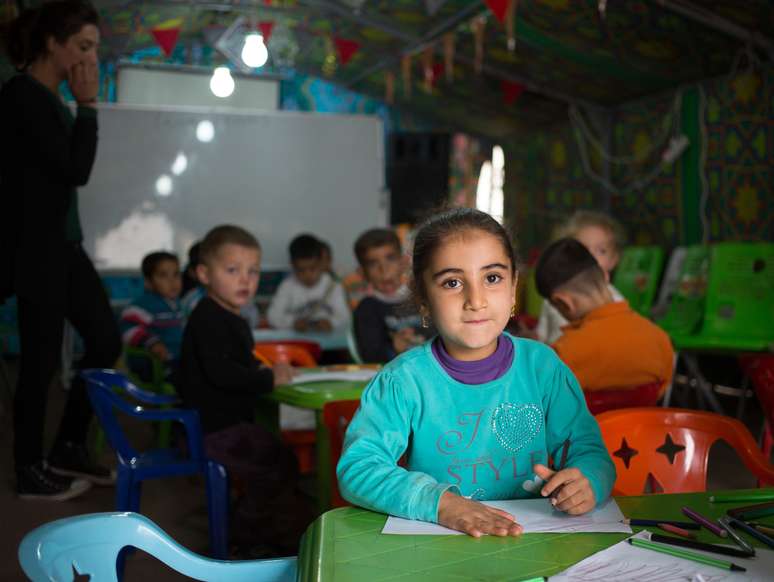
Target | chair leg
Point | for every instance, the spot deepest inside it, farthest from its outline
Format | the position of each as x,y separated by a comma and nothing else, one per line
705,388
217,508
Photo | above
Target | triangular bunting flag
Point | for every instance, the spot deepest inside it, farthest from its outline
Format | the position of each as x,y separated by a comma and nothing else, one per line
266,29
499,8
346,49
511,91
166,38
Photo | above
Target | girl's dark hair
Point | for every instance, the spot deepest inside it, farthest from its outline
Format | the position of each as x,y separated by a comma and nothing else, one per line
432,233
27,35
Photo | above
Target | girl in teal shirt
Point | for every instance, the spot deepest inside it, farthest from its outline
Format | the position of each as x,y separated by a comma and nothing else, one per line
477,412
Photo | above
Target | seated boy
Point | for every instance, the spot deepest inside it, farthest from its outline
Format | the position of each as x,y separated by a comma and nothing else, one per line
221,379
155,320
606,344
309,299
385,324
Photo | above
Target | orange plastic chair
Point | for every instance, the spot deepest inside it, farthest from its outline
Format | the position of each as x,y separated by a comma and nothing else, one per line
310,346
336,418
599,401
278,352
665,450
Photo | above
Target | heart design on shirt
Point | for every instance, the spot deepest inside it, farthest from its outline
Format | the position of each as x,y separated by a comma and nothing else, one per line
532,486
515,426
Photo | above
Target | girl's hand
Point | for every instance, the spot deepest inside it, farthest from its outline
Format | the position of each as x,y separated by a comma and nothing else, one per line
569,489
83,79
474,518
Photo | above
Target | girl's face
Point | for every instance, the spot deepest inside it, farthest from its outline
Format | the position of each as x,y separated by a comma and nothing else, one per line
601,245
78,49
470,291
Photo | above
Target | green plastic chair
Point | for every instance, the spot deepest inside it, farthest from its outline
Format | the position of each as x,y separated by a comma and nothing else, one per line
533,302
739,307
686,309
637,276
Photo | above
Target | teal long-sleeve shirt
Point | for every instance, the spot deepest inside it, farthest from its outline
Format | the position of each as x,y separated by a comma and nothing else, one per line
479,441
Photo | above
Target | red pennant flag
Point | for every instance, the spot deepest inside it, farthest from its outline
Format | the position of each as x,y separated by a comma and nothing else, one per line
266,29
511,91
499,8
346,49
166,38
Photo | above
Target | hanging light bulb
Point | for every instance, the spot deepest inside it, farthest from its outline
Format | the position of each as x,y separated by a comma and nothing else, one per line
222,83
254,52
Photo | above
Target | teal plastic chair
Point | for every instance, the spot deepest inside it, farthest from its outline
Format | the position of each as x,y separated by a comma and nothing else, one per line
637,276
686,309
89,545
738,311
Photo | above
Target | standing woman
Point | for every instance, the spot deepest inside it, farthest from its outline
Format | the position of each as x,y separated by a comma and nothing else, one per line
45,154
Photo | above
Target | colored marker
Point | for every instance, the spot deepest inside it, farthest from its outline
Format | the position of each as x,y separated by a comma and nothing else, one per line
725,550
761,537
767,529
725,521
767,495
678,553
657,522
701,520
677,530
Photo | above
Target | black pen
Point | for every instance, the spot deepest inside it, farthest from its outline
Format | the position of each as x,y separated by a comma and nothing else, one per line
714,548
751,531
656,522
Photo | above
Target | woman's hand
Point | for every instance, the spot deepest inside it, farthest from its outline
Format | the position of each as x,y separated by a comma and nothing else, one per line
474,518
83,79
569,489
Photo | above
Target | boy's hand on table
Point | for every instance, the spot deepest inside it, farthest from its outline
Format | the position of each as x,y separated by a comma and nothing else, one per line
160,351
301,324
403,340
322,325
569,489
474,518
283,374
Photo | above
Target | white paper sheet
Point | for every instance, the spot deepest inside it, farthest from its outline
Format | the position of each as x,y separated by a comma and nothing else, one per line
626,563
534,515
340,375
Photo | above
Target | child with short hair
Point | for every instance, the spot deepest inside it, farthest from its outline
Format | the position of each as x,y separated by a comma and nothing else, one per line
605,239
477,412
607,345
384,325
155,320
221,379
309,299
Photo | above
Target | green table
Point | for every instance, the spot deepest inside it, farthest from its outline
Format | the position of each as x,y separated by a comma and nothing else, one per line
344,545
313,396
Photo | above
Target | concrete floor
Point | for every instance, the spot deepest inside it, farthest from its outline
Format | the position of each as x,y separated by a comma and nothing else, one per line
178,505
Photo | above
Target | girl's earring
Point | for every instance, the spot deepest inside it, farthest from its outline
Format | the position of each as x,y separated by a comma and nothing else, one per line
425,321
513,311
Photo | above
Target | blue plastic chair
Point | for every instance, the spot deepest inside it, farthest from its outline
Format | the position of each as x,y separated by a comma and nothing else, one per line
104,388
90,545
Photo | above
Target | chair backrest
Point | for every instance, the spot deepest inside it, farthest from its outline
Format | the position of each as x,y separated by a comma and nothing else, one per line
637,276
686,308
354,352
599,401
310,346
740,294
90,544
666,449
105,389
336,418
280,352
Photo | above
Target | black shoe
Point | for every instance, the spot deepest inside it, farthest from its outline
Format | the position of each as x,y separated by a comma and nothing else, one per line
38,482
73,460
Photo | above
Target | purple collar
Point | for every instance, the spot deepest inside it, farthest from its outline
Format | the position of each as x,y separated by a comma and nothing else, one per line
479,371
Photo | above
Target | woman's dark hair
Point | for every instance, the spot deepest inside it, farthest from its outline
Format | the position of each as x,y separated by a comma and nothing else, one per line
27,36
432,233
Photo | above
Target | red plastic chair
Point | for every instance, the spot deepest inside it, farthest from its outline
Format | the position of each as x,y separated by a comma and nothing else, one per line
665,450
313,348
336,418
760,370
280,352
600,401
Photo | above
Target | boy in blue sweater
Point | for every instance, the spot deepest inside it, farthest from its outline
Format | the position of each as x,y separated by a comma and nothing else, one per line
154,320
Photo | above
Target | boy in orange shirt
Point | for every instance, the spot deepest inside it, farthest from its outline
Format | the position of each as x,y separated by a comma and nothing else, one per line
606,344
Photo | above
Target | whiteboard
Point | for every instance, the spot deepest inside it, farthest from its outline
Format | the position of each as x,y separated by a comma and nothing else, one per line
156,185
